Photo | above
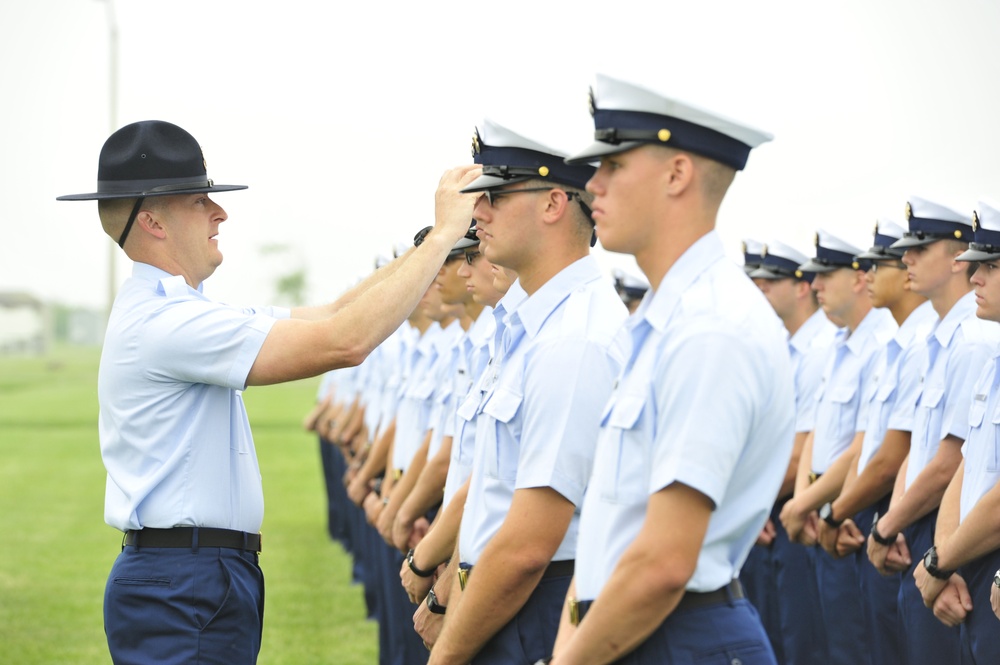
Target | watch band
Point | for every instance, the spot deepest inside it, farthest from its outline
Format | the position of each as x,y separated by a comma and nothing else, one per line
417,571
826,514
879,538
432,603
930,564
996,579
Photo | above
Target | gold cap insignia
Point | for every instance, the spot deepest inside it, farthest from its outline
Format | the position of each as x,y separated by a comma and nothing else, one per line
876,228
543,171
975,221
591,104
816,239
856,265
909,211
958,233
763,251
477,145
663,135
798,273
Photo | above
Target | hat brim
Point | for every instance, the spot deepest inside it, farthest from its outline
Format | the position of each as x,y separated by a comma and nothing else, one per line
598,149
98,196
764,273
875,256
913,241
484,182
976,255
813,266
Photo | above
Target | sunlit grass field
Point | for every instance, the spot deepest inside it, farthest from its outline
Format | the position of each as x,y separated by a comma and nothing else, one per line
57,551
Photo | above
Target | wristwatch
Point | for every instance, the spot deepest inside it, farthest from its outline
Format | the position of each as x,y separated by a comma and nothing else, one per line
826,514
996,579
930,563
417,571
432,603
878,537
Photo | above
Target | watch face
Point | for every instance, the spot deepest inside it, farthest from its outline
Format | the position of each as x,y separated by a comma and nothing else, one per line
996,579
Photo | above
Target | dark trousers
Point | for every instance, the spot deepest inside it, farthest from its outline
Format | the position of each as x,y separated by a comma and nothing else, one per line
848,636
184,606
725,633
927,641
531,634
980,634
879,596
780,582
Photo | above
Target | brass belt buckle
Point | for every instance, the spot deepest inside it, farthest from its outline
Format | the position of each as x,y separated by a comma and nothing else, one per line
574,611
813,477
463,577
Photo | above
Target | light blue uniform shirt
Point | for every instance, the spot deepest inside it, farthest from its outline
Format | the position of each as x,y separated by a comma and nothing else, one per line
840,410
414,410
809,347
442,420
894,386
706,399
537,425
478,345
981,449
954,355
174,433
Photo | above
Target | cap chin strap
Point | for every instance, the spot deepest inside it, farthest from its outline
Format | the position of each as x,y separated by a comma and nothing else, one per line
131,220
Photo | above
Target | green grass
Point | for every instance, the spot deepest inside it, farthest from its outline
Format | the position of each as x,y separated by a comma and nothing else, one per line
57,550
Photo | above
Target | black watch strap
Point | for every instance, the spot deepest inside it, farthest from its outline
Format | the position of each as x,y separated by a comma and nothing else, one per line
416,571
877,537
432,603
930,564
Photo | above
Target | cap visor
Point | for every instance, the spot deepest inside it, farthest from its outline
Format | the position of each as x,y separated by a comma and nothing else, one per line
905,242
485,182
97,196
975,255
813,266
764,273
599,149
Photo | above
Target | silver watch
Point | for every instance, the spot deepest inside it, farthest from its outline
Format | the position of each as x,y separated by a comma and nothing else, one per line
996,579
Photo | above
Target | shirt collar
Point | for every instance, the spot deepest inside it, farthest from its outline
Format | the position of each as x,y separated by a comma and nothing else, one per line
167,284
923,315
869,329
481,328
658,308
803,337
536,309
963,309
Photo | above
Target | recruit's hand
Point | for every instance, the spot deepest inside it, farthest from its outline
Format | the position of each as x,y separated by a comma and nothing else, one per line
427,624
402,532
827,537
358,489
373,508
416,586
929,586
793,519
452,209
849,538
954,603
767,534
420,529
384,524
898,558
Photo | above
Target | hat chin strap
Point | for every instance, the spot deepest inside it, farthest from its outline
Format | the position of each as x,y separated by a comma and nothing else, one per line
131,220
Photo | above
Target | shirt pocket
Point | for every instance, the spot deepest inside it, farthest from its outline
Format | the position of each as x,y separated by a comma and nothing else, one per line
930,400
502,451
844,412
626,464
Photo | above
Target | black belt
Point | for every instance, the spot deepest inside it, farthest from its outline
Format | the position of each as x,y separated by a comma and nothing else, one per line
691,600
563,568
193,537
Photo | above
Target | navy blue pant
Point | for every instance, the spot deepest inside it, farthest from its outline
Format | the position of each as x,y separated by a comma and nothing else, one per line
848,636
396,622
879,595
980,634
780,582
720,634
182,606
531,634
927,641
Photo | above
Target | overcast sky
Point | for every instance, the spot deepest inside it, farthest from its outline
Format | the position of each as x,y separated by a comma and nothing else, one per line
341,117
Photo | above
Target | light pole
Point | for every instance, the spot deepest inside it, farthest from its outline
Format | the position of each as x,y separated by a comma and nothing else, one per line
113,125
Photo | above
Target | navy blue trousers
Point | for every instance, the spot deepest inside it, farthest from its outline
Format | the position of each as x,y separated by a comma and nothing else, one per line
879,595
182,606
720,634
926,640
980,634
848,635
531,634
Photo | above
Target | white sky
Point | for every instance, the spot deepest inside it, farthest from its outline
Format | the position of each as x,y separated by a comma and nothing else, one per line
342,117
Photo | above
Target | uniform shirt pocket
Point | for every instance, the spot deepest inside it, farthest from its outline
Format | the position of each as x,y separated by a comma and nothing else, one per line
625,463
502,451
845,412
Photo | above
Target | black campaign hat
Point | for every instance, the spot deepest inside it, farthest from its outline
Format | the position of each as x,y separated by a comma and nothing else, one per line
150,158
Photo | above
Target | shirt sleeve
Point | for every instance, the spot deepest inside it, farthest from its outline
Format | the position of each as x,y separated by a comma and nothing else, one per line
567,383
200,341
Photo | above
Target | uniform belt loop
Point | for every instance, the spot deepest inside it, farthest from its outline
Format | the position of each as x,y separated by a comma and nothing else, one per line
194,540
